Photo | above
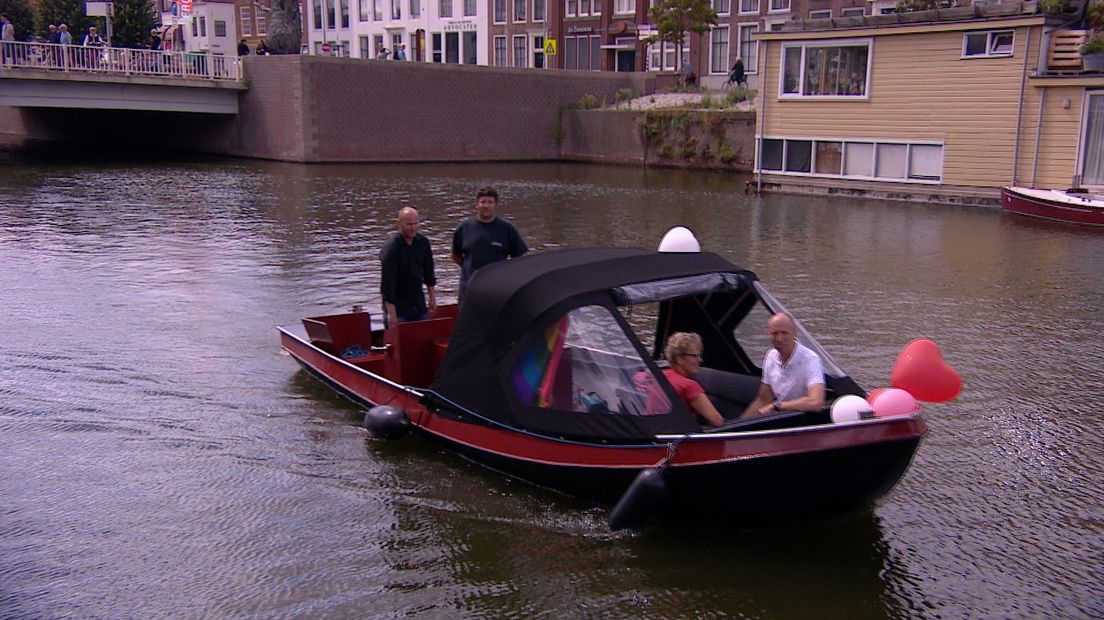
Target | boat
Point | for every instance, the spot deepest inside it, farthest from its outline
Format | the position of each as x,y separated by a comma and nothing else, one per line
551,373
1074,206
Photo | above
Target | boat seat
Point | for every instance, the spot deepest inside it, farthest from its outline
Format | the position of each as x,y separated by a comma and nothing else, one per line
730,392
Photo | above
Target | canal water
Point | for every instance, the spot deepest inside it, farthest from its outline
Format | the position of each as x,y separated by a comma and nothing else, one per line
160,456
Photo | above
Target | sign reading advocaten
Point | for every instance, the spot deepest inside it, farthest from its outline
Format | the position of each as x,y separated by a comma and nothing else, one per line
185,7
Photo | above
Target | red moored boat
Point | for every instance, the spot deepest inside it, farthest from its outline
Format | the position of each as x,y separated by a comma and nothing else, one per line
550,373
1076,207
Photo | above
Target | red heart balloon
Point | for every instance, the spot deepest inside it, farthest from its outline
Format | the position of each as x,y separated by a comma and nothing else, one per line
921,371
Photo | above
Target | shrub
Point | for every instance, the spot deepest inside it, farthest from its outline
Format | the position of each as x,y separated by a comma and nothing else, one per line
1094,45
588,102
738,94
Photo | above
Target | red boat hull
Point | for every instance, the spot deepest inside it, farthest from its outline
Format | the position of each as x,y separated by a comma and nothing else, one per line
749,476
1052,205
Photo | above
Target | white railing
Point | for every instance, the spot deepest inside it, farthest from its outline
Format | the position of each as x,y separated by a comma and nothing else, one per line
119,61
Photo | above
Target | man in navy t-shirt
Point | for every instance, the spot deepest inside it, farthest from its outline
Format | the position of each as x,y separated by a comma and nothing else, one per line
485,238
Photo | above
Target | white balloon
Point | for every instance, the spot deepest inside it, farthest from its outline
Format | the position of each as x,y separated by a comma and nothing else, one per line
850,408
679,239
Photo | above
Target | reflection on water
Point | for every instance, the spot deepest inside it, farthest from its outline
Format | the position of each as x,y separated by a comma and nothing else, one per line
161,457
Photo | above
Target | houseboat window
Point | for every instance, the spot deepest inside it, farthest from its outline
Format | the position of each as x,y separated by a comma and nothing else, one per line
988,44
853,12
836,158
925,161
825,70
799,155
1092,144
829,157
858,160
770,155
821,14
891,161
584,362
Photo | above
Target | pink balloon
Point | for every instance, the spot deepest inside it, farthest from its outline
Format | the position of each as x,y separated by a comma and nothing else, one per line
921,371
872,394
893,402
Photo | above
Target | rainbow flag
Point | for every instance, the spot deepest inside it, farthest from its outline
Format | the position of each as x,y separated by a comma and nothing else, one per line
535,373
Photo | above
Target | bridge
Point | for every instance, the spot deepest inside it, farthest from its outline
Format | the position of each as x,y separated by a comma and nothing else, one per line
50,75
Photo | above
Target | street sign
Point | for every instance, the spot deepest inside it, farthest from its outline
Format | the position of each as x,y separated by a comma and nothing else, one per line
326,48
550,47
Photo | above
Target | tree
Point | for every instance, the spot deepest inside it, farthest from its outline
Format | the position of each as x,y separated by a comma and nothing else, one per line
132,23
284,27
70,12
22,17
674,18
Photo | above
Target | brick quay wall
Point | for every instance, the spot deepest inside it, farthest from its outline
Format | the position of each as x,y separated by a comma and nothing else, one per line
320,109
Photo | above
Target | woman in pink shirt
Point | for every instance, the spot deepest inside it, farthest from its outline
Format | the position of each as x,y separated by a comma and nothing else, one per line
684,354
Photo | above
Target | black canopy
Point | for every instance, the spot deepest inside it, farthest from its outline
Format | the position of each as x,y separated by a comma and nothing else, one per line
507,301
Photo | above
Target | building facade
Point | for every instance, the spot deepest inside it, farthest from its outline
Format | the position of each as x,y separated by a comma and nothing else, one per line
443,31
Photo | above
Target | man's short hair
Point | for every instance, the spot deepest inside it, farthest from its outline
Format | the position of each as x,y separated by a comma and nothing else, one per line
486,191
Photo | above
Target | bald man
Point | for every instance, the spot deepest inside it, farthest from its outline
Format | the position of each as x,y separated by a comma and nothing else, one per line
407,266
793,379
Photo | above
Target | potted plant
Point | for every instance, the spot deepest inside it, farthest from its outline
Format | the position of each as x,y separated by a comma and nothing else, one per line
1092,54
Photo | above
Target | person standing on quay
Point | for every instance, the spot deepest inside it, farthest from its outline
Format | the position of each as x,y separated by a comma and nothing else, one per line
407,265
484,239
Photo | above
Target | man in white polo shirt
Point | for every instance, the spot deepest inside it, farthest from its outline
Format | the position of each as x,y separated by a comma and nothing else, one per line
793,379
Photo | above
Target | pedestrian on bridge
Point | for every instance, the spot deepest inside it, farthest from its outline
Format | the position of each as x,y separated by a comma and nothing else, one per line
7,39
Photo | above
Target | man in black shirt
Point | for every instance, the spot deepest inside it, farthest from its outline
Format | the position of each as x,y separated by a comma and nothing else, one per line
407,262
485,238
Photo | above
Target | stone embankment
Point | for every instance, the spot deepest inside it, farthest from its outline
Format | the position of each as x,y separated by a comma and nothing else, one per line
684,130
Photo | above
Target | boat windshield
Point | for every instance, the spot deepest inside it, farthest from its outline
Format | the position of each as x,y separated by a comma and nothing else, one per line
803,336
584,362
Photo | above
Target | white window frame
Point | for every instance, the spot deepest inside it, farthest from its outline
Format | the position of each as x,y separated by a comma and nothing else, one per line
523,15
624,7
571,8
821,43
723,66
246,21
746,11
441,4
778,6
504,60
543,15
908,164
990,39
667,51
850,11
471,8
521,51
821,14
499,18
751,64
722,7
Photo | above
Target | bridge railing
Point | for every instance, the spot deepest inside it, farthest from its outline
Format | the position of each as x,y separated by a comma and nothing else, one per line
119,61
